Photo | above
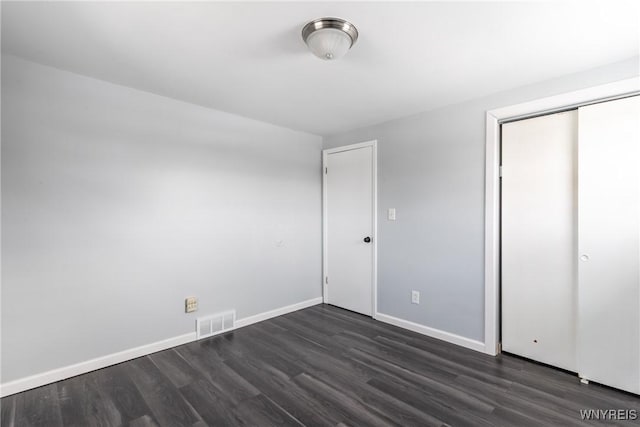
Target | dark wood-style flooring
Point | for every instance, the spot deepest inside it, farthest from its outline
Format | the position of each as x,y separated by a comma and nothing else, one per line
321,366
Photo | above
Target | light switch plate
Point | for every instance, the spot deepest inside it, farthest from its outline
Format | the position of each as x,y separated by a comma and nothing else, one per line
391,214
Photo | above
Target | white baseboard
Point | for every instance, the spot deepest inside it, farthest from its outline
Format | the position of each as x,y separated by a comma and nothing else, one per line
240,323
432,332
22,384
33,381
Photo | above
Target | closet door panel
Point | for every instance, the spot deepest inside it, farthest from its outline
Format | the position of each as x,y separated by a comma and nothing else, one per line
539,241
608,345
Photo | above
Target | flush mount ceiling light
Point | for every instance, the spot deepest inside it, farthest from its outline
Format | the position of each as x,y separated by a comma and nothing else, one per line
329,38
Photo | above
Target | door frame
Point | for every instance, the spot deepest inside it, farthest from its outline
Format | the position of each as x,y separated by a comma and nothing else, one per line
374,215
494,118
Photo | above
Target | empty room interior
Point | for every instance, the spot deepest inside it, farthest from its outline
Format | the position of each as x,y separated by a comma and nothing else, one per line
316,213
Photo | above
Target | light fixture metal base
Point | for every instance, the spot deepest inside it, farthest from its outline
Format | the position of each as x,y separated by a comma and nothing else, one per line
335,23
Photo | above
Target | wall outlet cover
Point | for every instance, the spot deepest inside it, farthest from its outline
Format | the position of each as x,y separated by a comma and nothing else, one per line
415,297
190,304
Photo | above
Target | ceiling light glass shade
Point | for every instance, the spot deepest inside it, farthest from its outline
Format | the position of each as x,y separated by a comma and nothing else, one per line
329,43
329,38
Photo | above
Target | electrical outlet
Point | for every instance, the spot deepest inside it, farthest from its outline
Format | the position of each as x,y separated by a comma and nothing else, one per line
391,214
190,304
415,297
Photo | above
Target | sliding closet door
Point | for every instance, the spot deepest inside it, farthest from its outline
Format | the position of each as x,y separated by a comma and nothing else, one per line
609,243
539,238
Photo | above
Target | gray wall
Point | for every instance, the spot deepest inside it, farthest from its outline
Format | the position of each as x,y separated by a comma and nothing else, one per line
117,204
431,169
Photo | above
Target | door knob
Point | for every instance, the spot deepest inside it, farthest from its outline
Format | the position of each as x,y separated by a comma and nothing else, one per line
367,239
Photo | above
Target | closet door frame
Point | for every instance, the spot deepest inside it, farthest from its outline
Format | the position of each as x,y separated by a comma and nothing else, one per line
494,118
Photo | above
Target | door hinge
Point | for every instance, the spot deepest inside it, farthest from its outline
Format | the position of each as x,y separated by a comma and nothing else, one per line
326,170
500,171
326,280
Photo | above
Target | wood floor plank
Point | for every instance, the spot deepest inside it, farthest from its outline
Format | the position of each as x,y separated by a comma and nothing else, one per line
505,417
261,411
218,373
312,336
321,366
288,395
354,384
39,407
513,403
352,411
83,403
382,329
115,383
165,401
174,367
397,365
255,343
211,403
324,326
438,389
205,348
341,323
223,345
143,421
449,414
289,345
8,411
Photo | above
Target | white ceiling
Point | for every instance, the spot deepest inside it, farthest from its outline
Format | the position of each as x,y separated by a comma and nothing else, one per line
249,59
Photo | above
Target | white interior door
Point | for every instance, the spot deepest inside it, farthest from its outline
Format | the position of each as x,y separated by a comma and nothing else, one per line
349,195
538,233
609,243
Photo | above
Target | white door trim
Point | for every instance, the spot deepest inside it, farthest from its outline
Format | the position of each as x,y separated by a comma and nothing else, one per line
374,211
494,117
